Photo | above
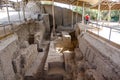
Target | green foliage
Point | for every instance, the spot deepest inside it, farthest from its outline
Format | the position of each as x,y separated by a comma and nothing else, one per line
94,13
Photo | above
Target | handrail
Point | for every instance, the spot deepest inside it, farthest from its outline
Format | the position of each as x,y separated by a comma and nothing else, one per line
109,26
112,27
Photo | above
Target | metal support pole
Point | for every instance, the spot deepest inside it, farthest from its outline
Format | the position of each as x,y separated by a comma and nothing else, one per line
98,17
4,30
109,17
19,12
119,16
23,10
110,33
77,12
8,13
83,13
53,17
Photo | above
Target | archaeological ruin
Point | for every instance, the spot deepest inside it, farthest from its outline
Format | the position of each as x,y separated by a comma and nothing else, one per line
53,43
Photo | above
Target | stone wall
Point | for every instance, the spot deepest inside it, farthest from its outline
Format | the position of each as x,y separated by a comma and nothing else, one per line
7,48
100,60
63,16
30,28
16,54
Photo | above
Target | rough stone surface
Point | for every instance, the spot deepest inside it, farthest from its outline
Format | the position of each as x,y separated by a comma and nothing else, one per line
16,55
6,55
32,8
25,44
29,54
28,29
4,30
46,22
67,58
101,58
32,71
78,55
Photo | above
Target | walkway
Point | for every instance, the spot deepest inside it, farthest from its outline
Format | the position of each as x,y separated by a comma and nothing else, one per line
111,31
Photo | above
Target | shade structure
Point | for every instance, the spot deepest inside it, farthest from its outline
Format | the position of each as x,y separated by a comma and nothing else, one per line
115,5
74,2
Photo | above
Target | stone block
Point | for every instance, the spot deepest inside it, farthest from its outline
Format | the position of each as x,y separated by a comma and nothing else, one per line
78,55
25,44
38,37
1,72
32,71
46,21
28,55
67,59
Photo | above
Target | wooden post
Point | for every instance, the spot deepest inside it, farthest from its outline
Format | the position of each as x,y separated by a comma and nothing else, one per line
77,12
71,12
119,16
8,13
98,17
109,14
72,17
53,17
109,18
40,6
83,13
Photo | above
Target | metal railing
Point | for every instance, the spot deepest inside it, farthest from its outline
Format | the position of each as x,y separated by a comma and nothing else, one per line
98,26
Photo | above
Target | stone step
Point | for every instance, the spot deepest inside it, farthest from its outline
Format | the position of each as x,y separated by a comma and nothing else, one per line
52,65
68,60
56,71
54,59
55,74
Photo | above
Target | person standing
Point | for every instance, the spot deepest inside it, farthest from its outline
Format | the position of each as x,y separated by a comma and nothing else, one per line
87,18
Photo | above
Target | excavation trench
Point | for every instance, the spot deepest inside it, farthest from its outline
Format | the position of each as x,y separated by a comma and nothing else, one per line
27,52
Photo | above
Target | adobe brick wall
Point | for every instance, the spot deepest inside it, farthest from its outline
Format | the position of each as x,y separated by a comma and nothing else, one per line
15,50
63,16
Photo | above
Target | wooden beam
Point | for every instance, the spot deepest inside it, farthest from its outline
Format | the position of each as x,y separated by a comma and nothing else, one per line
83,13
72,15
77,12
98,17
41,6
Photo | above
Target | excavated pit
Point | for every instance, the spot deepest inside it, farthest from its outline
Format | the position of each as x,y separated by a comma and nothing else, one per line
31,39
31,52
